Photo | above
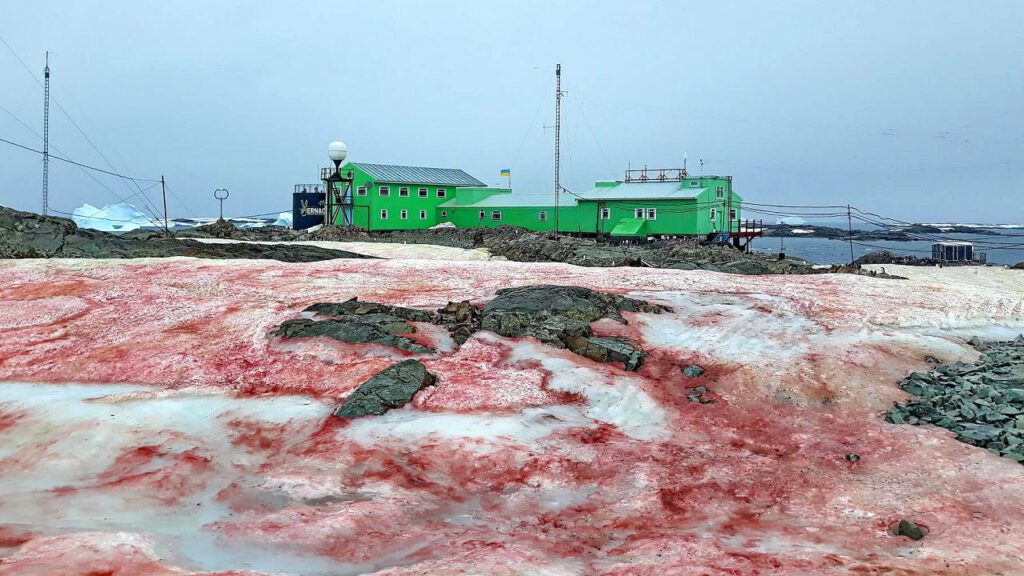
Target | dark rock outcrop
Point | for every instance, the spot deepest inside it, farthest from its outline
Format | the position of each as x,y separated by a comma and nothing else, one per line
28,235
390,388
368,329
560,316
1017,266
982,402
355,307
556,315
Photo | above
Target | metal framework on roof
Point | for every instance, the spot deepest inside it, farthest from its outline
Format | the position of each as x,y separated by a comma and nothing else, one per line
392,174
642,191
656,175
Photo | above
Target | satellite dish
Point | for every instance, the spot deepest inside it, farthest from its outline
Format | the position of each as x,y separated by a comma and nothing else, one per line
337,151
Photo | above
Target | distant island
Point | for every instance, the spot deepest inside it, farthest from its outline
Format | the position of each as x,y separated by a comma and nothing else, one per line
901,233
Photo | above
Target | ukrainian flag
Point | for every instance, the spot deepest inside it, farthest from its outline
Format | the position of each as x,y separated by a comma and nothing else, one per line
506,172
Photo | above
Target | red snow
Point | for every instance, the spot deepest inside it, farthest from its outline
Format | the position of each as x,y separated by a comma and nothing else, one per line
756,482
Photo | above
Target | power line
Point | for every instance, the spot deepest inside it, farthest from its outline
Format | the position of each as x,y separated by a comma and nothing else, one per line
80,164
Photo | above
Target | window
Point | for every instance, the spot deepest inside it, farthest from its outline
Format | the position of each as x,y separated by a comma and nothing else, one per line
542,216
714,213
720,192
496,215
444,213
404,214
483,214
694,183
652,213
384,190
638,213
423,214
606,214
441,193
403,192
383,214
423,192
732,214
361,191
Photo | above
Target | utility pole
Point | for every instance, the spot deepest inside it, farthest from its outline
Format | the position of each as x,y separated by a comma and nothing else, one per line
558,142
46,135
163,192
849,232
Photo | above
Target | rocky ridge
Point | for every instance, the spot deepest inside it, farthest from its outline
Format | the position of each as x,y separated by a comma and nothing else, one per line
28,235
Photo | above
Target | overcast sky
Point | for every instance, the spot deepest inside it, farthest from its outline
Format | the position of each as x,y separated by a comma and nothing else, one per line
912,109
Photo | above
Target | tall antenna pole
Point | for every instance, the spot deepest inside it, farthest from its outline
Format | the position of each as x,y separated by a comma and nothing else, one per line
46,135
558,141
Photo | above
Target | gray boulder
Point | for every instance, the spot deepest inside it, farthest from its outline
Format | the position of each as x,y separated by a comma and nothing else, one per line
353,307
604,349
392,387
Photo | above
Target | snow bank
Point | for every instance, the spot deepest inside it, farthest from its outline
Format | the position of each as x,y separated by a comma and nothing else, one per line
120,217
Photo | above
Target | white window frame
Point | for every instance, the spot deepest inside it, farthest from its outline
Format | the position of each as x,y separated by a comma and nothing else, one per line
732,214
423,214
694,183
496,215
361,191
442,193
652,213
424,192
444,213
384,190
384,214
483,214
720,192
542,215
403,215
638,213
714,214
403,192
606,213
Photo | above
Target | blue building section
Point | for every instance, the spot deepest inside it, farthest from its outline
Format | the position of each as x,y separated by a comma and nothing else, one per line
307,207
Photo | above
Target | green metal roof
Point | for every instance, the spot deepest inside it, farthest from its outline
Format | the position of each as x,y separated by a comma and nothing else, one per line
392,174
630,227
507,201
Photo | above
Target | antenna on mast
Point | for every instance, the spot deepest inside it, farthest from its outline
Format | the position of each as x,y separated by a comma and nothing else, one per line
46,135
558,142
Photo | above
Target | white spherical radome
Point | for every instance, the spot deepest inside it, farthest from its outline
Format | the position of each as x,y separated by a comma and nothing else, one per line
337,151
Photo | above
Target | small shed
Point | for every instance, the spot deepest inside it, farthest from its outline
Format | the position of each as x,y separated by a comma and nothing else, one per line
953,251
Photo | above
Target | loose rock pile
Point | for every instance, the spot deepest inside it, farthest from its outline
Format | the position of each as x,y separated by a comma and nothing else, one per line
982,402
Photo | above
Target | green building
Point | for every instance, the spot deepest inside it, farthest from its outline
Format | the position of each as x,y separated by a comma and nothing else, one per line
644,203
387,197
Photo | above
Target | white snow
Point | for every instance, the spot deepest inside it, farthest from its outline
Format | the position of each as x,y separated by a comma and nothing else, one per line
803,231
284,219
120,217
792,220
381,249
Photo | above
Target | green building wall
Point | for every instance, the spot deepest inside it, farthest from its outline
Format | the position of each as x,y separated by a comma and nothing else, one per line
462,206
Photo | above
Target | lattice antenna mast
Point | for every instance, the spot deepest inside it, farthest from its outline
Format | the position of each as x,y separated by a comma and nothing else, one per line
558,141
46,135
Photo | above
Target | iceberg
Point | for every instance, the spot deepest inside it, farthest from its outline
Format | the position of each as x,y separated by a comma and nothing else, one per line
120,217
283,219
